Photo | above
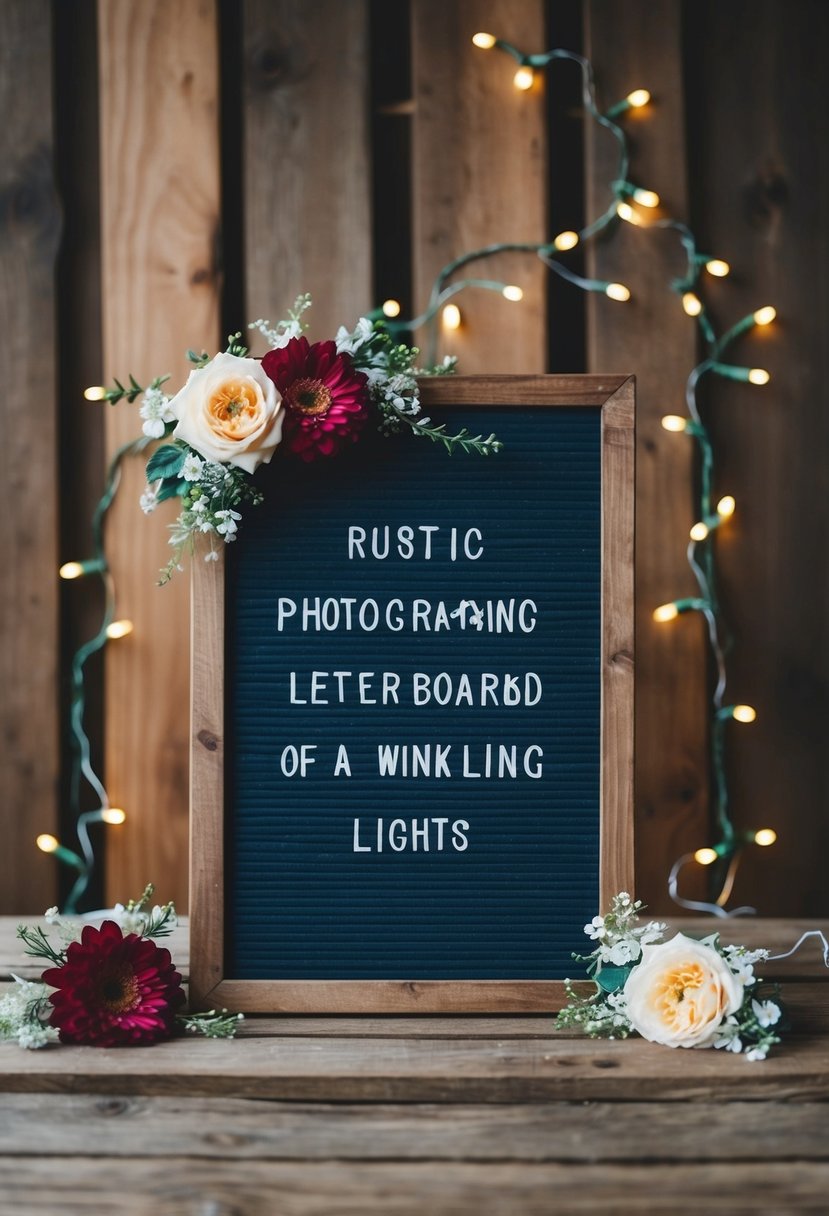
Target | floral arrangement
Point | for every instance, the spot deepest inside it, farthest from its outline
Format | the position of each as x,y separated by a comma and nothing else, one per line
309,400
680,993
113,986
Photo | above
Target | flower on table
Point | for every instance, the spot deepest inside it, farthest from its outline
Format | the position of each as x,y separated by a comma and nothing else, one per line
325,398
681,992
114,990
677,993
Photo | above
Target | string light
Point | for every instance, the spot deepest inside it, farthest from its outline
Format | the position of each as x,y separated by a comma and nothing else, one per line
524,78
95,392
82,768
119,629
391,308
628,214
646,198
765,836
513,293
566,240
451,316
700,552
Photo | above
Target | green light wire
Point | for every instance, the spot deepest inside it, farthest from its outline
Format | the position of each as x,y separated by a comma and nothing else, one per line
82,767
730,842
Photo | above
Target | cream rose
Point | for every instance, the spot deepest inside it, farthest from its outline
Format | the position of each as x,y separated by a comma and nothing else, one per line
230,412
680,993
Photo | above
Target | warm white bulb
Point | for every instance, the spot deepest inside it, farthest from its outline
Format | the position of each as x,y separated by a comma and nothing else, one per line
524,78
511,292
46,842
699,531
647,198
675,423
692,304
765,316
726,506
638,98
617,291
626,212
71,570
113,815
765,837
451,316
119,629
391,308
758,375
566,240
717,267
744,713
665,612
485,41
95,392
705,857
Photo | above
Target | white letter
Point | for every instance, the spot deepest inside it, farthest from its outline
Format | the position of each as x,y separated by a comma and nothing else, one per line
428,529
420,688
473,557
294,699
391,683
394,627
365,685
393,840
523,608
459,829
356,536
535,770
404,542
285,608
343,765
357,847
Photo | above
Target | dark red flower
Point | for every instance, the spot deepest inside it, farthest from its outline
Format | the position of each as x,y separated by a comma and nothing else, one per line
113,990
326,400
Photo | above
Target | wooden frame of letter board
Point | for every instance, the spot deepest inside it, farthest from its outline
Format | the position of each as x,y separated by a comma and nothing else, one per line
614,396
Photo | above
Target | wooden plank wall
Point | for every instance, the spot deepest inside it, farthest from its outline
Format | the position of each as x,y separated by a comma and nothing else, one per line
242,162
160,285
29,233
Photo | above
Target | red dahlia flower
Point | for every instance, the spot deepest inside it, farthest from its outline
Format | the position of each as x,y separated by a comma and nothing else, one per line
326,400
113,990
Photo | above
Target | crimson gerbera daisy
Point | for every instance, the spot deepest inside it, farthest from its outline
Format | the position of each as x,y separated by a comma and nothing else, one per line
325,397
114,990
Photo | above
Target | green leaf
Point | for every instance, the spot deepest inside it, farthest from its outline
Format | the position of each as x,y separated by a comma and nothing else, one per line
611,979
171,487
165,461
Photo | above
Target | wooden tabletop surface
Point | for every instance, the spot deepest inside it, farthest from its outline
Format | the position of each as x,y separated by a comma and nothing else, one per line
404,1116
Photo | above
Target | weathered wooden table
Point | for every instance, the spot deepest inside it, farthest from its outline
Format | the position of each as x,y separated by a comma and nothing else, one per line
317,1116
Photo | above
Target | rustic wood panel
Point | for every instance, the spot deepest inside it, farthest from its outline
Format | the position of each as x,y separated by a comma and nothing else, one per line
761,191
307,177
243,1129
479,175
632,46
29,230
340,1068
160,200
90,1186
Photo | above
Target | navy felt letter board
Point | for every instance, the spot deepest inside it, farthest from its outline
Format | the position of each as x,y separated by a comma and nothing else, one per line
414,703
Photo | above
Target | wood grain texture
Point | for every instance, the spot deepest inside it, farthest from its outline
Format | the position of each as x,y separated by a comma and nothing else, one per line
618,485
307,201
89,1186
29,231
761,189
128,1127
651,336
160,200
479,165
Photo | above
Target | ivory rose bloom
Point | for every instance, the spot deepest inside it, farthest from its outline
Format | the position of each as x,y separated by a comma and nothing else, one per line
230,412
681,992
